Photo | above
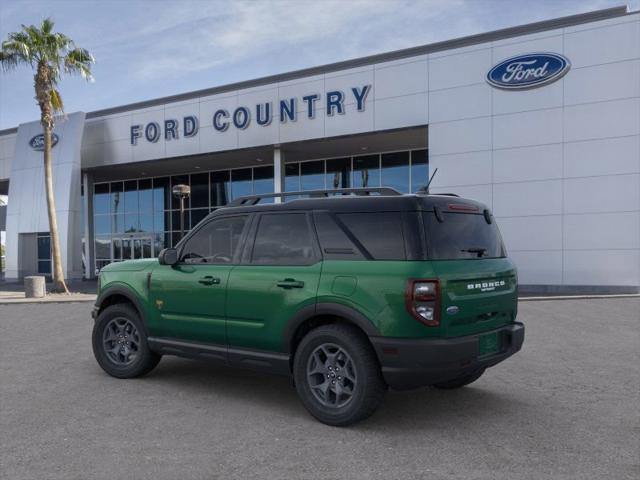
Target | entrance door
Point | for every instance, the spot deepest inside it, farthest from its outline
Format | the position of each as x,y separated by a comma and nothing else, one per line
132,248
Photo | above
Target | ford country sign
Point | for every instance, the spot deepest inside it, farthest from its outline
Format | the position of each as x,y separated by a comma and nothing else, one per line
528,71
37,142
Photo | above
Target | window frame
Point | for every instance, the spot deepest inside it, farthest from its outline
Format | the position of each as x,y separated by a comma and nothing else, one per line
247,254
235,260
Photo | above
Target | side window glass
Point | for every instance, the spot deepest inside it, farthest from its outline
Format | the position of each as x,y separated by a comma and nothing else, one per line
334,242
216,242
283,239
379,233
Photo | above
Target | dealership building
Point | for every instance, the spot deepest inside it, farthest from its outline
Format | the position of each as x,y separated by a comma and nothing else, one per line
541,122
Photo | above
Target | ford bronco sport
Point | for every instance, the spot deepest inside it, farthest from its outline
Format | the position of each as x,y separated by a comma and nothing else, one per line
349,292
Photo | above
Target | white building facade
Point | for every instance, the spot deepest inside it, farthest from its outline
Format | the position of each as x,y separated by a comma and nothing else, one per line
541,122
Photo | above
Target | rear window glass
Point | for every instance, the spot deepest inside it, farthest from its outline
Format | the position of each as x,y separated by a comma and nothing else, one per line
462,236
380,233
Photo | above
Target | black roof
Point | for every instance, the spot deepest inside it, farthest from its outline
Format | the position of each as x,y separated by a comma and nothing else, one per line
361,203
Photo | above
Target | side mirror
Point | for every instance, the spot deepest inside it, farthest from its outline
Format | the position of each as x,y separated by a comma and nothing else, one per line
168,256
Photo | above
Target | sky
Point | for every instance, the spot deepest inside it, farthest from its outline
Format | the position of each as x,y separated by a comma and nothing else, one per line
149,49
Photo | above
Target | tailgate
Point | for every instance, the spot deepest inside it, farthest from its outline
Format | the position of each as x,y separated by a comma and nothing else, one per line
477,294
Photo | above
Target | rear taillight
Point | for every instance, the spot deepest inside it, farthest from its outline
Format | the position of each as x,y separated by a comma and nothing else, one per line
422,299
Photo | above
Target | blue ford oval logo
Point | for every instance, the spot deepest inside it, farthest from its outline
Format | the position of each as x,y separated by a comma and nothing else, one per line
528,71
452,310
37,142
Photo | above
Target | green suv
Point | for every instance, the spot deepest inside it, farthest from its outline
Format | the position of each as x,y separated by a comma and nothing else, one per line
348,291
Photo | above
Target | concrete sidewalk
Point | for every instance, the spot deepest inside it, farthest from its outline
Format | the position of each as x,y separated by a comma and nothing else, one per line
83,291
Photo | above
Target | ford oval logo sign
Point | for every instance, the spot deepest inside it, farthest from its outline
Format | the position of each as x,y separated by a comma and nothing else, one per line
37,142
528,71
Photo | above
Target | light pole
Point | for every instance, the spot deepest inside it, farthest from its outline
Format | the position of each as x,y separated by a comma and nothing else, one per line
182,192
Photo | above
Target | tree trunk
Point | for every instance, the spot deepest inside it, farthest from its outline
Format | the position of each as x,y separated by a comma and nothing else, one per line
59,284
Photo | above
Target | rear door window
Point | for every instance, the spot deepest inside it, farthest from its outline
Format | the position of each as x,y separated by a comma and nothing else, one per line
462,236
283,239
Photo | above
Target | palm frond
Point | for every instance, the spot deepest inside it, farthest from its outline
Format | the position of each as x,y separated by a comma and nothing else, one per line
56,101
79,61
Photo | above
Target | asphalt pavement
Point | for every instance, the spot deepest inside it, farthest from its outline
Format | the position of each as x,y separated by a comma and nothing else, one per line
567,406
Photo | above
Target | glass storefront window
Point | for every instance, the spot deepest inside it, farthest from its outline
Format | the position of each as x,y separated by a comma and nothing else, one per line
220,188
419,169
241,180
395,171
117,192
102,224
103,248
200,190
292,177
145,195
145,211
312,175
161,194
338,173
263,180
197,215
366,171
101,198
131,203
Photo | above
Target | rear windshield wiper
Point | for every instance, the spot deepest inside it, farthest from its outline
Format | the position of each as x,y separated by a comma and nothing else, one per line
477,250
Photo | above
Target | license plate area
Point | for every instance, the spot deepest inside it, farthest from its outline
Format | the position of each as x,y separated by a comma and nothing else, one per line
488,344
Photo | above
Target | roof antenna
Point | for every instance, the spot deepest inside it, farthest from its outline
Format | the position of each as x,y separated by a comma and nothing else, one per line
425,190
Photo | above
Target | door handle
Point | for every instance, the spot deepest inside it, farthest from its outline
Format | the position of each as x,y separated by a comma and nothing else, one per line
290,283
209,280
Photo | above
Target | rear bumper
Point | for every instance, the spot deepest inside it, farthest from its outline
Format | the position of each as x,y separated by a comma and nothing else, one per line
410,363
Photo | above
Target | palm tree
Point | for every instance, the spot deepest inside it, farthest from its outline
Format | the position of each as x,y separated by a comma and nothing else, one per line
50,55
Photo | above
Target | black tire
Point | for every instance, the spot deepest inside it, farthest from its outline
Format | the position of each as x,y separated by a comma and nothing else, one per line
130,356
352,351
460,381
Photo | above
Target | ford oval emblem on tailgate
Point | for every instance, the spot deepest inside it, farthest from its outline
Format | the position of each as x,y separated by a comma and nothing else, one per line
452,310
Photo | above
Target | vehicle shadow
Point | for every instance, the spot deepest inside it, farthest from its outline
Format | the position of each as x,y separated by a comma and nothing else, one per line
421,409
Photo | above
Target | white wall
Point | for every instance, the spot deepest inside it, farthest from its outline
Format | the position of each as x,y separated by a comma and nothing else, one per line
7,151
397,99
27,206
560,164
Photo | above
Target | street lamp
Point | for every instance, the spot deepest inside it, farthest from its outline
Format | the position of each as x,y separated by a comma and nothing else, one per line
182,192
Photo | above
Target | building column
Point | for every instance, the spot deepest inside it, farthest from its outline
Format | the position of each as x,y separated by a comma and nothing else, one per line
89,244
278,172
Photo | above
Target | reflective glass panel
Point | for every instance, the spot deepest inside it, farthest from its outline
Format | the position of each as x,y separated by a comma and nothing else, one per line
145,195
44,266
339,173
419,169
366,171
161,222
131,222
198,215
101,198
131,203
395,171
44,247
292,177
161,194
263,180
117,197
146,222
220,188
103,248
312,175
102,224
241,182
200,190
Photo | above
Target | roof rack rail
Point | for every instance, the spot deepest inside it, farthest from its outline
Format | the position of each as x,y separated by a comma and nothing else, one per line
254,199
